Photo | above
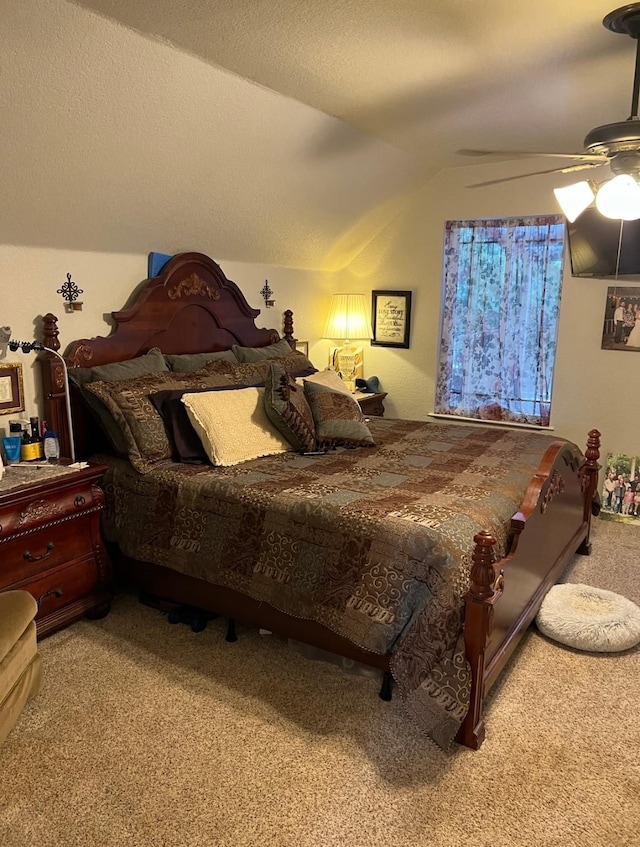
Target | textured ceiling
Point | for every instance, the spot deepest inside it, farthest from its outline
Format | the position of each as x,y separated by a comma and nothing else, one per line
282,131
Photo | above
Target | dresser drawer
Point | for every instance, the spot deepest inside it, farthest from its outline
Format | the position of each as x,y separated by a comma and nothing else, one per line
28,512
63,587
33,553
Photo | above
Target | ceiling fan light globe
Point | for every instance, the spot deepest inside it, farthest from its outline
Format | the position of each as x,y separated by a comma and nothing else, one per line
574,199
619,198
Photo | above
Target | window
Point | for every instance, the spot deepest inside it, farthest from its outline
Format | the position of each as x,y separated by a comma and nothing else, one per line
501,302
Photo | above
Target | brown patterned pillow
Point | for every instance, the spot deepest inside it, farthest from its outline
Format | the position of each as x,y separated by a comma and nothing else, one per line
338,419
188,362
142,427
288,410
151,362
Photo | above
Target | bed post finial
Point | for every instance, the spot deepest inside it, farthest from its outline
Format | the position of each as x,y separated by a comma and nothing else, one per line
50,331
589,480
483,575
287,325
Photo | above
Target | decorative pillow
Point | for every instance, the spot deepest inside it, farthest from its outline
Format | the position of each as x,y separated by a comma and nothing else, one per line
145,437
151,362
329,378
337,416
257,354
185,442
189,362
288,410
255,373
233,425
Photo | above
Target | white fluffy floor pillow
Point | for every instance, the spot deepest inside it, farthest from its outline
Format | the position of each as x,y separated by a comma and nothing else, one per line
589,618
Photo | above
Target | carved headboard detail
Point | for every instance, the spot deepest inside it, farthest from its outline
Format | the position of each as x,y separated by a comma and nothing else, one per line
191,307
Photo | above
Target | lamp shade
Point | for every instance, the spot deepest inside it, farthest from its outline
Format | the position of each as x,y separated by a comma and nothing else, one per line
348,317
574,199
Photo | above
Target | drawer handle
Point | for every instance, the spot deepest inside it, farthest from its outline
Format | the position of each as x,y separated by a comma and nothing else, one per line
30,558
56,592
79,501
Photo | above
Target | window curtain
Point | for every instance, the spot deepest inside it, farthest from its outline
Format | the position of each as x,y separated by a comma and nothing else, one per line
501,302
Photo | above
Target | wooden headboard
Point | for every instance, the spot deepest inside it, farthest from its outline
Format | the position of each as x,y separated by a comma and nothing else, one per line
190,308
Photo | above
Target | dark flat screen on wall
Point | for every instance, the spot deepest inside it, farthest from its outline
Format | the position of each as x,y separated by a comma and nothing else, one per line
593,246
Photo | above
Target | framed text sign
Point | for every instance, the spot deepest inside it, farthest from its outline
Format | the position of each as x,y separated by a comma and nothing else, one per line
11,389
391,316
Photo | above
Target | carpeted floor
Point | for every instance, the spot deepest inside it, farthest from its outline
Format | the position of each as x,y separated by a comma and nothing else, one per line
148,734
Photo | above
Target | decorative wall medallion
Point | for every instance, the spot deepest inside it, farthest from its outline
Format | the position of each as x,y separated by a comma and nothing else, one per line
193,286
39,510
556,486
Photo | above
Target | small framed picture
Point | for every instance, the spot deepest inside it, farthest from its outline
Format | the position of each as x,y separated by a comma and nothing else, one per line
11,389
391,318
621,489
303,347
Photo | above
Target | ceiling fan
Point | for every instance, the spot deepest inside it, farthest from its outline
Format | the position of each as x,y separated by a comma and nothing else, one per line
616,144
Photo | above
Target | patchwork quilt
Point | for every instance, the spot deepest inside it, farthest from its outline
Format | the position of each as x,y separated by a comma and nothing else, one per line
374,543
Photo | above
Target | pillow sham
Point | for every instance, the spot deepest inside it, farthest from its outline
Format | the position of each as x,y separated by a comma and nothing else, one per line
257,354
329,378
233,425
255,373
189,362
288,410
142,428
151,362
185,442
338,419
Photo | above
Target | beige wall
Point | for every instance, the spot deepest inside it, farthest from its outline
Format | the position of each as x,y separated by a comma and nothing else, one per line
31,277
592,388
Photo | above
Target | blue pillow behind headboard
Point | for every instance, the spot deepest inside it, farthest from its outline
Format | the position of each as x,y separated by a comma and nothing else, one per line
156,263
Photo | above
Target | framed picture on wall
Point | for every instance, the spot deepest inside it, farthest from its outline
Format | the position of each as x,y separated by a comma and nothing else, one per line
11,389
391,318
621,328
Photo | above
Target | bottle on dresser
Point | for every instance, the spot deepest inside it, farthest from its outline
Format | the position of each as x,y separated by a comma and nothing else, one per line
36,438
31,446
51,444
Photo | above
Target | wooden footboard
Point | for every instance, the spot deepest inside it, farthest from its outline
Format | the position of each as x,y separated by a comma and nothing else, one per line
505,595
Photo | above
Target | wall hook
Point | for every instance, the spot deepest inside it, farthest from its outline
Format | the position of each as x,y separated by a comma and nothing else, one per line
267,294
70,292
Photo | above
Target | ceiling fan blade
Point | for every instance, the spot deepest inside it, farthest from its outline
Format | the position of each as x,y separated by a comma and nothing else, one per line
538,173
583,157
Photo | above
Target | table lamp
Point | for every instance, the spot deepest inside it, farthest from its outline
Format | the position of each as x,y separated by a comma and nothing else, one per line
348,320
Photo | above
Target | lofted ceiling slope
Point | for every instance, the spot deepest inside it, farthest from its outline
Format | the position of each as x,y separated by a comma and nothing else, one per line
271,131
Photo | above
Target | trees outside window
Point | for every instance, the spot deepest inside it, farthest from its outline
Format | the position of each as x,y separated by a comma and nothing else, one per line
500,309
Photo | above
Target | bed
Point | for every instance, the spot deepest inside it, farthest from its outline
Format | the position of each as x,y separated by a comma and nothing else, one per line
426,556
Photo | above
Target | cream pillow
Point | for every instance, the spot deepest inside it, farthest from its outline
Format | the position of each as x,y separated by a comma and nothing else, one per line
233,425
328,378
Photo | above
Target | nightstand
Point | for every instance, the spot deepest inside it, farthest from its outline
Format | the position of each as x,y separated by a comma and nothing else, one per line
50,542
371,404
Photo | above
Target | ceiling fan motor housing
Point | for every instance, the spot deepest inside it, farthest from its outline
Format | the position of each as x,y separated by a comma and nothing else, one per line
620,142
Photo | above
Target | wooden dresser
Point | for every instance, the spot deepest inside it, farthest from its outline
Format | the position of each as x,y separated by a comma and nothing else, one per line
50,542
